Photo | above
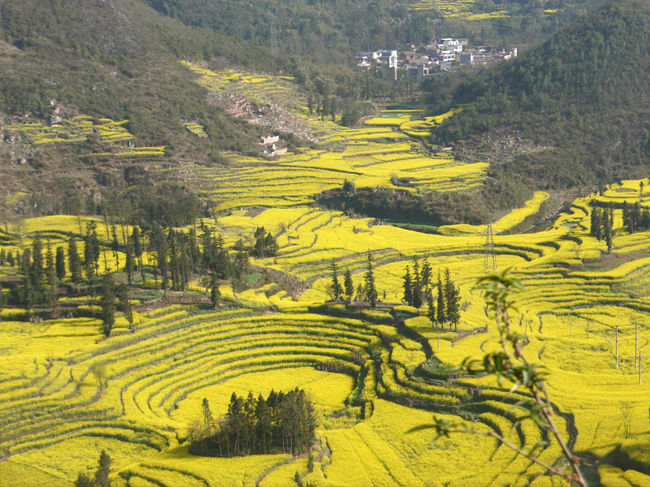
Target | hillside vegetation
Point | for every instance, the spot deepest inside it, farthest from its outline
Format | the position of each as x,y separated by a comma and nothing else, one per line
334,31
580,100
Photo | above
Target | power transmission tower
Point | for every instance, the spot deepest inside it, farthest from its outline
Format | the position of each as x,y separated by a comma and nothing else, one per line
490,264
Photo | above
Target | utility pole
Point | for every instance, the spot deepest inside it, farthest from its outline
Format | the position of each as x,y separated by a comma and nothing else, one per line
639,368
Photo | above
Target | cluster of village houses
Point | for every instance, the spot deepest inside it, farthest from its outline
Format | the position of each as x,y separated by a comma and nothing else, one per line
425,61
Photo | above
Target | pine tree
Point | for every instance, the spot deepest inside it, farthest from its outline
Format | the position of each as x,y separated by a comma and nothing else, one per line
208,419
607,229
215,292
425,275
115,246
408,287
348,285
596,223
108,304
74,262
130,262
91,250
441,316
2,257
336,291
101,475
37,267
360,294
10,259
416,288
452,301
431,309
83,481
50,268
370,291
60,263
50,273
137,249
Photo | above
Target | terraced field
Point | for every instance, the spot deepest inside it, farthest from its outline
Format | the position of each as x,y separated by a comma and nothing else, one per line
66,393
377,155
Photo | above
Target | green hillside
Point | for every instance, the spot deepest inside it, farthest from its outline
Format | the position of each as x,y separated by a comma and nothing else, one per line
575,111
333,31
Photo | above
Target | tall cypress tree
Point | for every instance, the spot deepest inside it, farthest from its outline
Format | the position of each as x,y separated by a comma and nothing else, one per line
130,262
452,301
348,285
441,316
37,268
408,287
101,475
60,263
108,304
74,262
425,275
607,229
431,309
336,291
370,290
416,292
91,250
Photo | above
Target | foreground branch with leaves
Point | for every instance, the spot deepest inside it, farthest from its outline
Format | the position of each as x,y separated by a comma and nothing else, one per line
509,363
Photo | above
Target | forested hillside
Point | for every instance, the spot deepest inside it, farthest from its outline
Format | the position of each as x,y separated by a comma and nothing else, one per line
577,107
333,31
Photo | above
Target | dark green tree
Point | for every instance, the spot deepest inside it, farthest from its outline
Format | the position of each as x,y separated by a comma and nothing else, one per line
452,301
336,291
108,304
348,285
37,267
213,289
84,481
441,311
101,475
408,287
74,262
91,250
60,263
431,309
416,291
130,262
607,229
369,289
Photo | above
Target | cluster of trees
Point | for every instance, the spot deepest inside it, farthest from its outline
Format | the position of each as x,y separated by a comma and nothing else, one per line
177,256
101,474
265,243
419,288
40,274
281,422
403,206
365,292
601,225
324,108
635,218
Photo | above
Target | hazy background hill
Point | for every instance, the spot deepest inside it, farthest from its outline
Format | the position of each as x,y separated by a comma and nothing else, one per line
574,111
333,31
